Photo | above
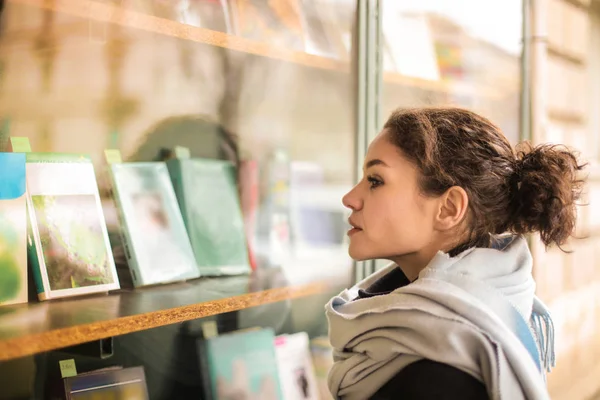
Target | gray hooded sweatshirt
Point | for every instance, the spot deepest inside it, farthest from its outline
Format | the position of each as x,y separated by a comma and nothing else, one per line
476,312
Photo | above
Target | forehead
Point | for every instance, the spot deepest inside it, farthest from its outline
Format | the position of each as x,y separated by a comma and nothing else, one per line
381,148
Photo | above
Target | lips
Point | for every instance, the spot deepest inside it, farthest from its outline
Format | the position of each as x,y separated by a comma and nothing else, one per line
355,228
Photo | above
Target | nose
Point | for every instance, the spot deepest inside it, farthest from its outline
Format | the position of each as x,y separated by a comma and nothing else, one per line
352,199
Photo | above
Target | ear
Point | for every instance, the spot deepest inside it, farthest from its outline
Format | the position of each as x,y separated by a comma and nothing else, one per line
453,207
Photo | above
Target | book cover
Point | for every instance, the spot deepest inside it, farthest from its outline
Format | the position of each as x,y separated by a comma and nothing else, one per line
68,244
296,371
117,383
242,365
322,358
208,14
277,23
321,40
209,202
274,223
13,229
338,23
248,178
156,243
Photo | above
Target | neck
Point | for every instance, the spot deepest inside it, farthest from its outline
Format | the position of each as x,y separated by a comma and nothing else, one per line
412,264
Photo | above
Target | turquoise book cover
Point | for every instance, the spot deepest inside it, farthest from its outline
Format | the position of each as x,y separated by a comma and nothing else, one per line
69,247
243,365
13,229
158,247
209,201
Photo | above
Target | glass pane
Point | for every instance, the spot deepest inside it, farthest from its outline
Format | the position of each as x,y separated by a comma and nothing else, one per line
264,84
464,53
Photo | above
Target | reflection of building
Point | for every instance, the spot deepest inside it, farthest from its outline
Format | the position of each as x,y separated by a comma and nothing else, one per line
490,72
473,73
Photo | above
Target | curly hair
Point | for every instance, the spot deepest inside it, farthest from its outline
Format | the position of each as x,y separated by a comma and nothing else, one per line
524,190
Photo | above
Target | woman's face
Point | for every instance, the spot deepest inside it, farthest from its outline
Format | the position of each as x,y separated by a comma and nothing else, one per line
390,217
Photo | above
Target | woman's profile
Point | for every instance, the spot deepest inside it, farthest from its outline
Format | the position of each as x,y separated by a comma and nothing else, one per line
447,200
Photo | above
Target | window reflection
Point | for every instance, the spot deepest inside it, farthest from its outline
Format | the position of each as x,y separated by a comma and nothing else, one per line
464,53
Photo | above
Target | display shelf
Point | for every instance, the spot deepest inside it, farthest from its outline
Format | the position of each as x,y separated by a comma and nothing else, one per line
117,15
39,327
109,13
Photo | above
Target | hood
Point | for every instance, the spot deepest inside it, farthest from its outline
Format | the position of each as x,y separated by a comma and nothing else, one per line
480,304
506,266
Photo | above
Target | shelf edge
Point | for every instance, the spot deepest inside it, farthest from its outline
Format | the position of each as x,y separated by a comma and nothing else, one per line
59,338
116,15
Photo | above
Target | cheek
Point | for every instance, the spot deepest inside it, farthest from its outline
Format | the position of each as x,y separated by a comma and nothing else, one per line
398,222
393,224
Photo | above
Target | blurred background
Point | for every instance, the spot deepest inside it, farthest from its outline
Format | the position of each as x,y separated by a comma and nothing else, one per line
292,91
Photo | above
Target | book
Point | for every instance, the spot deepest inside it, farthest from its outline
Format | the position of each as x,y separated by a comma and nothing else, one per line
155,241
209,14
322,358
316,213
68,241
209,201
241,365
338,21
13,229
296,371
319,40
110,383
274,223
249,181
277,23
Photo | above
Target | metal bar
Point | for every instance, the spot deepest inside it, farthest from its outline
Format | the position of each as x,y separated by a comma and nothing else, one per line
368,80
525,107
374,82
359,60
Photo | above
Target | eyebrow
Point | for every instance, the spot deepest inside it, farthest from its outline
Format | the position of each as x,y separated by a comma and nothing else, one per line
376,161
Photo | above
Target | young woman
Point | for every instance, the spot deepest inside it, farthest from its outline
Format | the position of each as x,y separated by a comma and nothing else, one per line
447,199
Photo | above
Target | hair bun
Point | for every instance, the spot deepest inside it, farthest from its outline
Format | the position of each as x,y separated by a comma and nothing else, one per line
546,185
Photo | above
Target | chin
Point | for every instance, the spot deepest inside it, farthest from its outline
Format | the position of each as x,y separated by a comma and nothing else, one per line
358,255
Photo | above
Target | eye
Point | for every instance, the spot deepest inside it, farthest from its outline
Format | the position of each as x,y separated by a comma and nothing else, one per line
374,182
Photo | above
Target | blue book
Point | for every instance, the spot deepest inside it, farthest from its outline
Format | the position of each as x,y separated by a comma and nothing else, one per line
13,229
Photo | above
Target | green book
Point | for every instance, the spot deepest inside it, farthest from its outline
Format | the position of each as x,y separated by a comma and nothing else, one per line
68,245
240,365
209,201
156,243
13,229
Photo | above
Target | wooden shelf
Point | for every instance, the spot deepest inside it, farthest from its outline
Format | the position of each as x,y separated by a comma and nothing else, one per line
39,327
117,15
92,10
